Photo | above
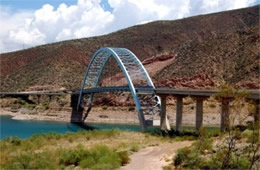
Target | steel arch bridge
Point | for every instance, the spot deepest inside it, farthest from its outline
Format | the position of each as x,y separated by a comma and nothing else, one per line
139,82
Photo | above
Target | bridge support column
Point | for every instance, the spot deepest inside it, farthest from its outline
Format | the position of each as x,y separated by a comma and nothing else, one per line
76,114
164,122
50,98
199,112
38,99
179,106
142,120
224,124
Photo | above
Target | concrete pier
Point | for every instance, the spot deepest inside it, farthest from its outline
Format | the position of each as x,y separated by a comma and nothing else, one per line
179,108
76,114
199,112
164,122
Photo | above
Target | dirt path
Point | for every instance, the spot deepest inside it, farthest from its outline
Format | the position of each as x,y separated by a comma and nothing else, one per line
154,158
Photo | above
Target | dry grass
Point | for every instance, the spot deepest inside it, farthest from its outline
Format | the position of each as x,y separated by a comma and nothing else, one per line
54,143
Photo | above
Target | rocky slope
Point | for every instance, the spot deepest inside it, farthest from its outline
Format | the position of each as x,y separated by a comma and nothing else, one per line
197,52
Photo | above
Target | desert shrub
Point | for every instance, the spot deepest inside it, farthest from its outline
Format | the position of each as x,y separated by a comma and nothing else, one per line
16,141
99,157
167,167
52,135
134,147
20,162
87,162
212,105
21,101
43,160
70,139
235,161
181,155
105,158
46,104
124,157
73,156
105,133
204,142
226,156
30,106
186,157
193,161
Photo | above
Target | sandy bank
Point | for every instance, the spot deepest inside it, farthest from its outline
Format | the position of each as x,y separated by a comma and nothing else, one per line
118,115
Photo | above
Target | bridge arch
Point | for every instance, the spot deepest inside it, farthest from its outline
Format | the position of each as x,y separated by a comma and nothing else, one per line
132,69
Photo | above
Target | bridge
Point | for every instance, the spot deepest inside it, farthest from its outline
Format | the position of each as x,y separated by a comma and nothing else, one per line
150,102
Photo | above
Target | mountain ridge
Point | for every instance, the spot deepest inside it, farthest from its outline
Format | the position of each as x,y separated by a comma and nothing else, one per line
205,48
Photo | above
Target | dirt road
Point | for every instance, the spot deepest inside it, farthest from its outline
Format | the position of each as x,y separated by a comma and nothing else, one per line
154,158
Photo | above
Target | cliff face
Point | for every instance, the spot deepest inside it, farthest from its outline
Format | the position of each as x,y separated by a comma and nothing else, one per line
197,52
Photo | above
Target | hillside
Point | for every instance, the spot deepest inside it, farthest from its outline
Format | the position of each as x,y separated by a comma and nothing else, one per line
197,52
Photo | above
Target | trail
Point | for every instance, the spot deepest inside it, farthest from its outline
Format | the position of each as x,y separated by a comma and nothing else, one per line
154,157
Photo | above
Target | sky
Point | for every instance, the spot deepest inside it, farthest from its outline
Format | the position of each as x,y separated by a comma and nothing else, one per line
28,23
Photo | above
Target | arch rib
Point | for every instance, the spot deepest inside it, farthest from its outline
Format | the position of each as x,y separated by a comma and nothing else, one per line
132,69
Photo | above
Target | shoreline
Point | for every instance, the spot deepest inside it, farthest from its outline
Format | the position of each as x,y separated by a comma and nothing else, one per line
61,116
110,115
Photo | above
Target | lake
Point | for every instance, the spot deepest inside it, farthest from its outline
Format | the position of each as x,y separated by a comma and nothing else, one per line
27,128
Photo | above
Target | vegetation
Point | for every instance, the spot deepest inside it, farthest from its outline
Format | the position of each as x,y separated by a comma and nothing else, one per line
237,148
97,149
229,151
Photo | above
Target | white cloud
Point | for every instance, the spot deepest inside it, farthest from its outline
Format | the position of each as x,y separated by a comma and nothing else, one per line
88,18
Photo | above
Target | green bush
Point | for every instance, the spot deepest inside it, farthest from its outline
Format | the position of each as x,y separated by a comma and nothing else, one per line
73,156
212,105
27,160
104,134
124,157
87,162
21,101
242,163
167,167
204,142
19,162
181,155
105,157
99,157
134,147
15,141
30,106
186,157
235,162
53,135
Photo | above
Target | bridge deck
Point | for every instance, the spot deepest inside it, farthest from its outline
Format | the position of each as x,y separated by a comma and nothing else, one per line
253,94
139,89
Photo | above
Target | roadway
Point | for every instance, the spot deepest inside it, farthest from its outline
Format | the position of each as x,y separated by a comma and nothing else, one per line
252,94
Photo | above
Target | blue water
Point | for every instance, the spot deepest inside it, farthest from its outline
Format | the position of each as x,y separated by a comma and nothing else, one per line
26,128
